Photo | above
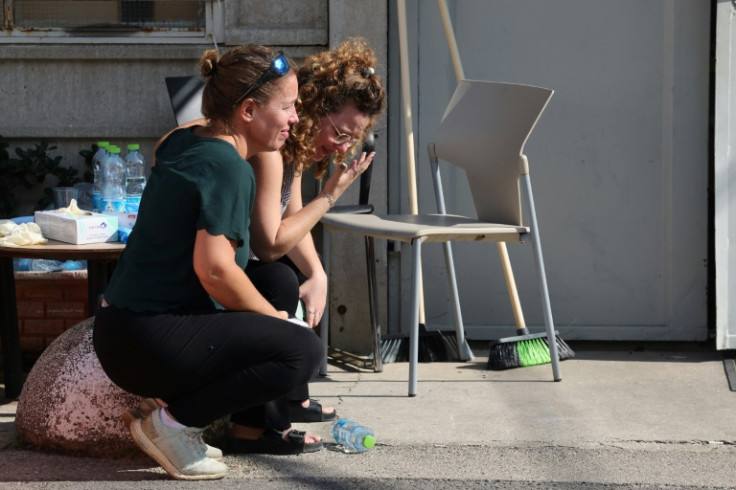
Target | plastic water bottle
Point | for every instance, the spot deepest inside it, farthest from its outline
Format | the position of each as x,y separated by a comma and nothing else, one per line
135,178
45,265
353,437
113,182
74,265
123,234
100,154
97,190
22,264
97,159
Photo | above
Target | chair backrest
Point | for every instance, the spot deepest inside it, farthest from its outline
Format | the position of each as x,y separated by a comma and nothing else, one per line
483,131
185,94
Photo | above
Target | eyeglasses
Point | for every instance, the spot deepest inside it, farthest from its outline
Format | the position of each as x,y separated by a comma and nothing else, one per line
340,137
279,67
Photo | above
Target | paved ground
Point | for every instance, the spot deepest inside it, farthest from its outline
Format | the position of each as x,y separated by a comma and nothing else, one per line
624,416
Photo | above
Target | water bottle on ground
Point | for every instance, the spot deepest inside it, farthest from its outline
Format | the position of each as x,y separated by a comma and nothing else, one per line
135,178
113,182
351,436
97,159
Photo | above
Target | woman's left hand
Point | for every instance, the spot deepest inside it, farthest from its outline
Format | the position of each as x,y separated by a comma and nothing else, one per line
349,173
313,292
360,165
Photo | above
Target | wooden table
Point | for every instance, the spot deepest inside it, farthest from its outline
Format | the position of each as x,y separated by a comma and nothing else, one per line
101,259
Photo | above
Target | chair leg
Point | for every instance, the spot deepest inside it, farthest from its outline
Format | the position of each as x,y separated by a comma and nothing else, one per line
464,351
370,257
414,320
324,323
542,278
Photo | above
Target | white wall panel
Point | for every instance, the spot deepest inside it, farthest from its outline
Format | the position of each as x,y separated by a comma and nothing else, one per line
619,162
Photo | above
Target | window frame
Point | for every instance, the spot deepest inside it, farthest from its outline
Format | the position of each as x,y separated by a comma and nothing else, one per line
213,31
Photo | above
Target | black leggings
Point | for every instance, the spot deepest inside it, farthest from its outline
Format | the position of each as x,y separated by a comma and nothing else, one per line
205,364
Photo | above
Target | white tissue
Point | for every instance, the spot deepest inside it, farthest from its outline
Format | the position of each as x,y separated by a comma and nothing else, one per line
73,208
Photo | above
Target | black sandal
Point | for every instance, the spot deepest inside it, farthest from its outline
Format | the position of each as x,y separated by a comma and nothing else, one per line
273,442
312,413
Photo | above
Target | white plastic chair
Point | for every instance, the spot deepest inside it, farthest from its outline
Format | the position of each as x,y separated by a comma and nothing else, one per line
483,131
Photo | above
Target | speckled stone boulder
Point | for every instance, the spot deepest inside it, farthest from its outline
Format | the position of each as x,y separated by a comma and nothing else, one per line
69,405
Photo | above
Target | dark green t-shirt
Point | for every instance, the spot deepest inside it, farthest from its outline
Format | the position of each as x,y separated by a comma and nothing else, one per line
197,183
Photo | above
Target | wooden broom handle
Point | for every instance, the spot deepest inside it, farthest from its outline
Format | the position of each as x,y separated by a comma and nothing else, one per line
502,251
411,173
450,34
511,285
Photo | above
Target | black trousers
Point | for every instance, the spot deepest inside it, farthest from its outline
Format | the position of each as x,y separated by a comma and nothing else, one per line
205,364
278,282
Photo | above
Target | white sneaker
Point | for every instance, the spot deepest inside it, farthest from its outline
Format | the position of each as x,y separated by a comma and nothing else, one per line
180,452
147,406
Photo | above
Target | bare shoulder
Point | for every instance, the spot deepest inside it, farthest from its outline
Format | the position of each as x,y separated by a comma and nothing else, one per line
268,165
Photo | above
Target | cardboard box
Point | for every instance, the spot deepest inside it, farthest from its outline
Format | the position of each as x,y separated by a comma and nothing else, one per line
77,228
127,220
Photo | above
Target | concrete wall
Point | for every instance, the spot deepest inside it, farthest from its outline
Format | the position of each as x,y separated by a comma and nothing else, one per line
74,93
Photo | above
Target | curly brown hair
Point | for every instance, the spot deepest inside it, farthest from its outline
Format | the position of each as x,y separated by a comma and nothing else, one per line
329,81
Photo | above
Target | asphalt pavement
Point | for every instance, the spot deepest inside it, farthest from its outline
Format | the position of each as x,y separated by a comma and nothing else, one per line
625,415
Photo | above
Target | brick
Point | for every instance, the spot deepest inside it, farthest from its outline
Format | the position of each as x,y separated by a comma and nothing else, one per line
20,289
64,309
25,291
30,309
48,305
43,291
75,290
42,327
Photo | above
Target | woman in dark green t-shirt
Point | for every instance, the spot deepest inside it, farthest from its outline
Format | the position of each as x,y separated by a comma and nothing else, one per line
182,322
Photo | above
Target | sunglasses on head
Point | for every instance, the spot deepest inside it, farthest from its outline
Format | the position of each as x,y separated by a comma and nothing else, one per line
278,68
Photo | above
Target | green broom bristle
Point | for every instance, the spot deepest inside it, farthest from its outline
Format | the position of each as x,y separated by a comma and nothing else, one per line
533,352
524,351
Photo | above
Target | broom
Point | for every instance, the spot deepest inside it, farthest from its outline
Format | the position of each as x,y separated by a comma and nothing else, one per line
434,346
525,350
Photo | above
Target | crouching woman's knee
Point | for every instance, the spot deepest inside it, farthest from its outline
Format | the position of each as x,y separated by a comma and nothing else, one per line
311,352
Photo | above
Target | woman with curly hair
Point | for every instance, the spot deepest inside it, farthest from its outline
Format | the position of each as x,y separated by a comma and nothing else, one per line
340,99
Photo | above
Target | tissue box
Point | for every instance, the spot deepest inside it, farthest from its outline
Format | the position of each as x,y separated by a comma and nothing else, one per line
77,228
